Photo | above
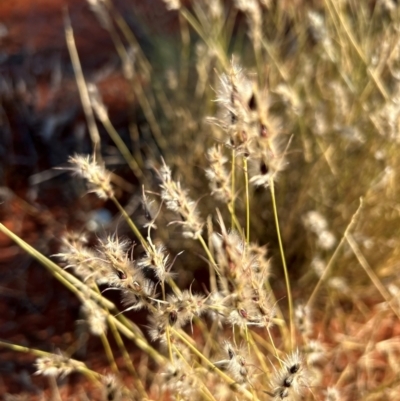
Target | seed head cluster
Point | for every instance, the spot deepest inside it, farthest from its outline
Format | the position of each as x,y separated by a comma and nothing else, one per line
248,126
291,379
98,178
235,363
177,200
57,365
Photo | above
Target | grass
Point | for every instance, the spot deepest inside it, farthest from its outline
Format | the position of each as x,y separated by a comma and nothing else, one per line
272,170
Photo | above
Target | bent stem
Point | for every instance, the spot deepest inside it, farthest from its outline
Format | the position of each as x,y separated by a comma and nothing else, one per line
285,270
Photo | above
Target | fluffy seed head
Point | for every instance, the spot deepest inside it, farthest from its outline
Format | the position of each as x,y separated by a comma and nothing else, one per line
99,179
57,365
177,200
291,378
95,316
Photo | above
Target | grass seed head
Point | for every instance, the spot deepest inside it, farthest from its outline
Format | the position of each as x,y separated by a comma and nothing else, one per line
57,365
177,200
98,178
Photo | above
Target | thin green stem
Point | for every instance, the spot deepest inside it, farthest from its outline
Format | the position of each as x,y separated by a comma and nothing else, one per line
334,256
131,224
210,256
273,346
82,88
90,374
235,221
109,353
126,327
246,181
210,43
221,374
205,390
260,356
125,355
285,270
120,144
371,274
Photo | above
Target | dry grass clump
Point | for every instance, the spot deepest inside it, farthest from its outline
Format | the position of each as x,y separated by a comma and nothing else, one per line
272,164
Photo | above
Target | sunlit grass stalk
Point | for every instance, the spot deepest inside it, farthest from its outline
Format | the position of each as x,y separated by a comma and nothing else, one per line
135,141
205,331
334,255
260,355
82,88
260,65
283,327
55,392
90,374
169,345
109,353
206,392
211,44
141,343
371,274
347,29
246,334
210,337
118,339
279,66
131,224
127,359
268,346
285,270
236,221
139,92
129,36
120,144
73,284
70,281
208,253
220,373
246,183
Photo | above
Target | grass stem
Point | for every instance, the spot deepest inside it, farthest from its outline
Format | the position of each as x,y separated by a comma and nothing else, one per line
285,270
